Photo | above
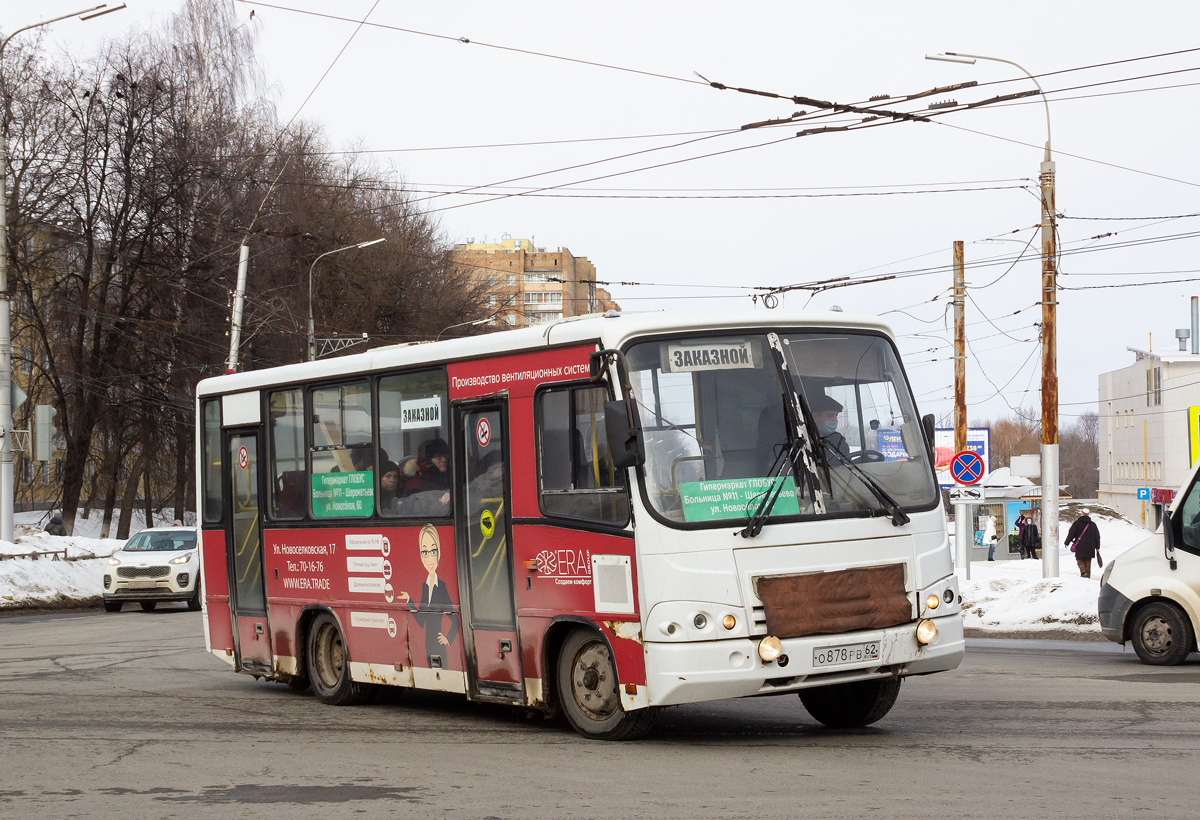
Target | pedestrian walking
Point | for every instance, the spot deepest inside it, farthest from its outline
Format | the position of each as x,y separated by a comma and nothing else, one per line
989,537
1084,540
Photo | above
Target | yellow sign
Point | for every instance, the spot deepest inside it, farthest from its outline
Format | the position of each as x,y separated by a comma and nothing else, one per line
1194,433
487,523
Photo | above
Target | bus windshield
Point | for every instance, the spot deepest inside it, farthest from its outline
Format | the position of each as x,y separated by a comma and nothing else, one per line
712,411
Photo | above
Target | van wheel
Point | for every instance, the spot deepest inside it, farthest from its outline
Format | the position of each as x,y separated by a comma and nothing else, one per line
329,664
851,705
148,606
1162,635
588,691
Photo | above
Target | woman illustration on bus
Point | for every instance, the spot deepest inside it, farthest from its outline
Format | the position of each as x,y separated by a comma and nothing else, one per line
435,602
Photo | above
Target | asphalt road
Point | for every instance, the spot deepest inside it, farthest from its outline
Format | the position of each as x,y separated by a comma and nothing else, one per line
124,715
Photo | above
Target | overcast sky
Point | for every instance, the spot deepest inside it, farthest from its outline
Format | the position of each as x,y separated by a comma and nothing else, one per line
702,232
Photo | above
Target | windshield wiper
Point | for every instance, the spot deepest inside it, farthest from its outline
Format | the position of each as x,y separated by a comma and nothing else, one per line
886,502
755,524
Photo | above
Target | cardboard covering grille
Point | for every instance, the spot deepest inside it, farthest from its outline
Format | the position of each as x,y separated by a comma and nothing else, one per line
831,602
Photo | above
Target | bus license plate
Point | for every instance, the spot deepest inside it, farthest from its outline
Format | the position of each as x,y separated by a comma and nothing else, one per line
847,653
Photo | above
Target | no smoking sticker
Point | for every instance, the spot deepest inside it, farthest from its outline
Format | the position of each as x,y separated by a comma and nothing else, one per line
483,432
243,457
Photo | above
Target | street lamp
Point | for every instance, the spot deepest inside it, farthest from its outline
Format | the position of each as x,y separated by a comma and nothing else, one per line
6,466
482,321
312,340
1049,302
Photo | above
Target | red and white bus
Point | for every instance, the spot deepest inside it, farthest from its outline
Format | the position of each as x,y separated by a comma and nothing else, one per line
601,516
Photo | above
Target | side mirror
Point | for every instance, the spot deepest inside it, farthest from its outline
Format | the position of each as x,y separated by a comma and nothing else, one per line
927,422
624,439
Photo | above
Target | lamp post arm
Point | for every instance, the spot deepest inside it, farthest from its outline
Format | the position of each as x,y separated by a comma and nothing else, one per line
1045,102
312,339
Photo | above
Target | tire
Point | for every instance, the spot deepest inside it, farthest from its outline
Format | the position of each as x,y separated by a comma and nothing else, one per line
194,603
148,606
112,606
329,664
1162,635
851,705
588,691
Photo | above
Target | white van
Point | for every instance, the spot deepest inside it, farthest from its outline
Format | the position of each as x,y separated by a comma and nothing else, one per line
1150,595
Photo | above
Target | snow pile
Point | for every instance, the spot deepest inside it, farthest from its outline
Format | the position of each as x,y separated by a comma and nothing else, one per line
1012,596
49,580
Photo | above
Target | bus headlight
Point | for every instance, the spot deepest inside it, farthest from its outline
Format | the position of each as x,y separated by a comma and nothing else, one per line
729,622
770,648
933,602
926,632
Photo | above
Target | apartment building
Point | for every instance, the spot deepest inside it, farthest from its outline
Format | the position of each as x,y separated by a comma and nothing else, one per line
528,285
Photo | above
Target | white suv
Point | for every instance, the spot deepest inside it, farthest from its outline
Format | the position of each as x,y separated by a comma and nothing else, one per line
158,564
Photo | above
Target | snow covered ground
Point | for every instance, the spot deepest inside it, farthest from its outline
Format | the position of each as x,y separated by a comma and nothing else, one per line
1012,596
1001,597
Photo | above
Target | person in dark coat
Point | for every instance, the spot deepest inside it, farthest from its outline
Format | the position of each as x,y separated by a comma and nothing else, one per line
1085,539
1031,539
55,527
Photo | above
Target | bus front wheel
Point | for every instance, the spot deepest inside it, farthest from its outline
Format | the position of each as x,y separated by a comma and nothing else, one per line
588,691
851,705
329,664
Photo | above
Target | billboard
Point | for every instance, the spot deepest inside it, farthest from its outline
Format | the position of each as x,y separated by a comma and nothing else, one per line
979,440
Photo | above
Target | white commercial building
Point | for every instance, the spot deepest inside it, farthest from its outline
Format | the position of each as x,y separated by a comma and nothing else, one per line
1148,414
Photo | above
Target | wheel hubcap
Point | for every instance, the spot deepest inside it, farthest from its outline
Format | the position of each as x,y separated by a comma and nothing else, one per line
1156,635
594,682
330,656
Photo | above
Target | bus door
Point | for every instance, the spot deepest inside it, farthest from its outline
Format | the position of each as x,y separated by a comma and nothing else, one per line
244,558
485,553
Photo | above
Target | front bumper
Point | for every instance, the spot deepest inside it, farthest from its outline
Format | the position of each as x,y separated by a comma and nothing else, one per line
1113,608
167,588
713,670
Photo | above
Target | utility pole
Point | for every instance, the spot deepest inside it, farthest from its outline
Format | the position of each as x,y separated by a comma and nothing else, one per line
960,352
1049,368
962,512
1049,300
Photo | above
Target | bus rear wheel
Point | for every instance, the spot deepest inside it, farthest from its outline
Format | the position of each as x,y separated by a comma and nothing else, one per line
851,705
588,691
1162,635
329,664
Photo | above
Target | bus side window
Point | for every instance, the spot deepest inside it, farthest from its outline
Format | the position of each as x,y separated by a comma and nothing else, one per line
210,452
413,423
576,475
341,444
285,416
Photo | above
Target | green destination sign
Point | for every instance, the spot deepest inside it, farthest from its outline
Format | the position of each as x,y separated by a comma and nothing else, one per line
337,495
734,498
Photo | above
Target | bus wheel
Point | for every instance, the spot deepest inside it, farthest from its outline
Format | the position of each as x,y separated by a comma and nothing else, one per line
1162,635
850,705
587,690
329,664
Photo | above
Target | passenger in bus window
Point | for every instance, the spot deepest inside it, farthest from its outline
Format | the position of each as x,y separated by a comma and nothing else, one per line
438,476
435,605
825,411
389,486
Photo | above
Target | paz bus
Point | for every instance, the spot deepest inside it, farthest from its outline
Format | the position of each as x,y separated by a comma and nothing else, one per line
599,516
